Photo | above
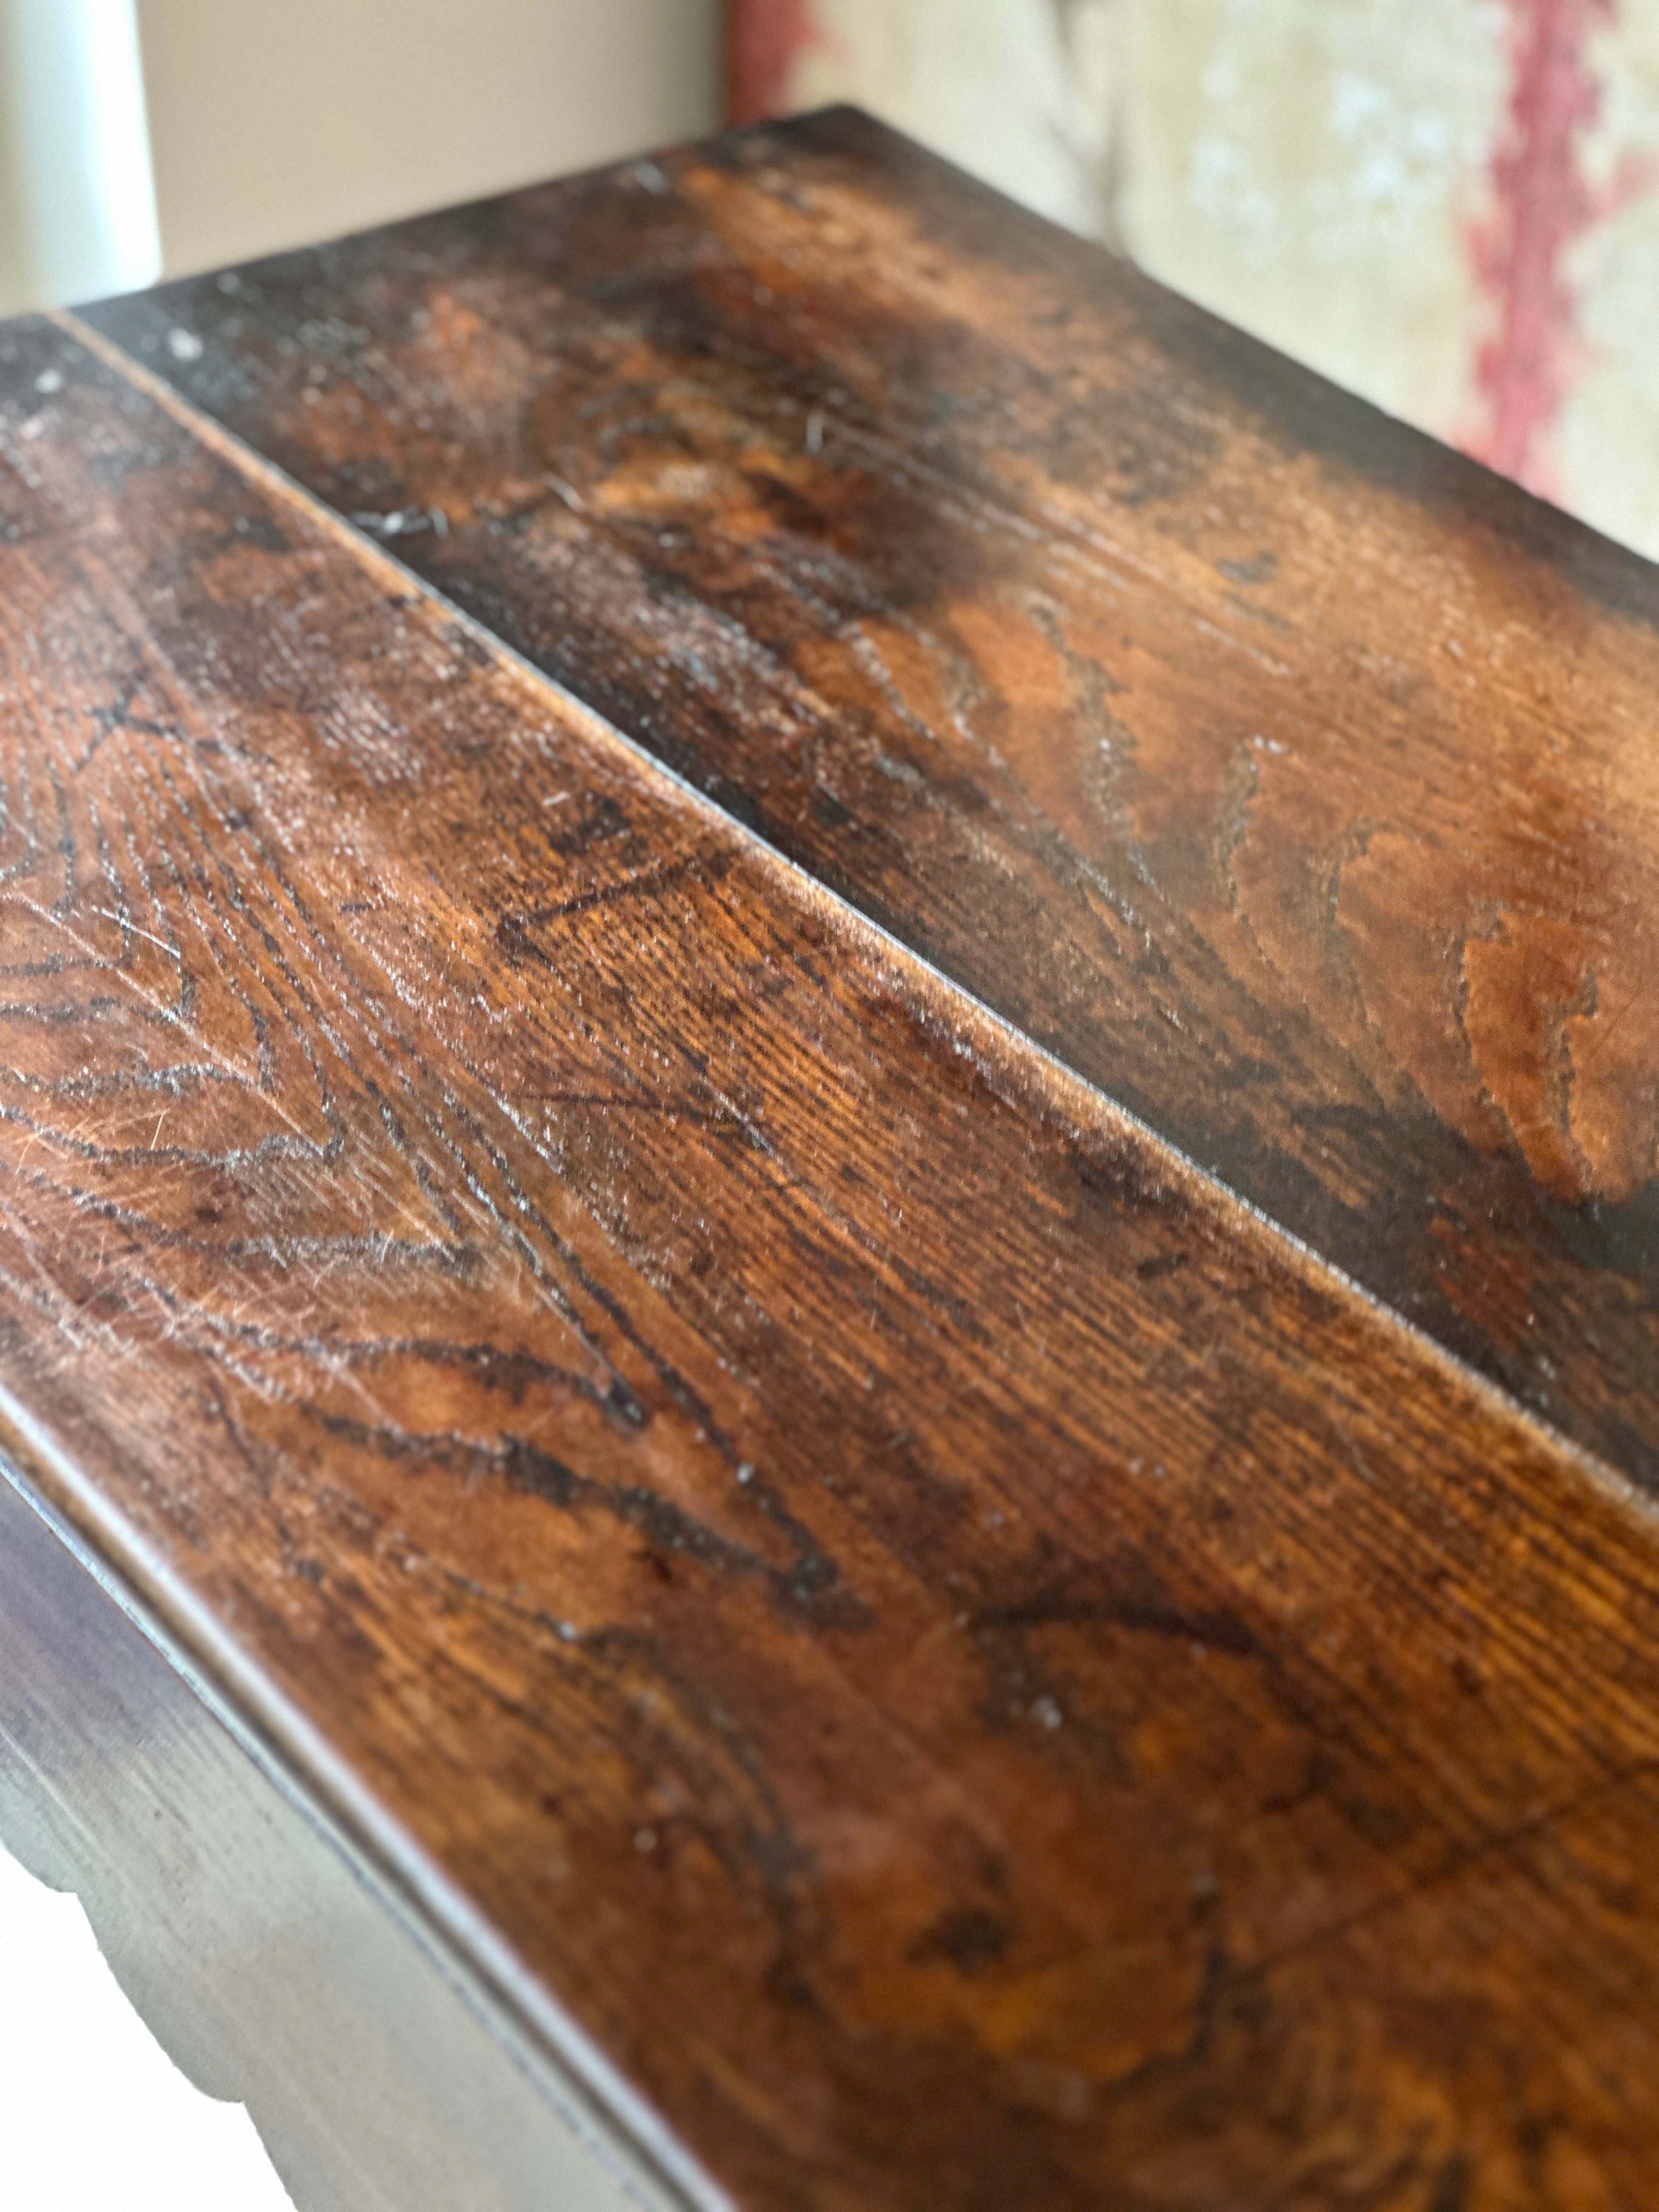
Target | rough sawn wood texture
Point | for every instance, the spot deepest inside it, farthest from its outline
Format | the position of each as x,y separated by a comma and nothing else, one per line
1288,775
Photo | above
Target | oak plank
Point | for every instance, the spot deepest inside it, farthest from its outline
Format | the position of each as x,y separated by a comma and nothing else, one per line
1288,775
959,1666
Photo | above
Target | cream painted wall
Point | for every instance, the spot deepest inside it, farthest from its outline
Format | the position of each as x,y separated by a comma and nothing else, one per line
274,123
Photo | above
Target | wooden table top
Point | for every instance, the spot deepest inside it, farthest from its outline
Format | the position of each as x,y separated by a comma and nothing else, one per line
828,1084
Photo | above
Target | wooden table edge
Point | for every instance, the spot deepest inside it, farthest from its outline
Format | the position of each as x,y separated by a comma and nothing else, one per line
566,2068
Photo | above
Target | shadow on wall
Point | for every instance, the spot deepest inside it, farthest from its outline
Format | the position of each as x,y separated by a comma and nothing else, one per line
1446,205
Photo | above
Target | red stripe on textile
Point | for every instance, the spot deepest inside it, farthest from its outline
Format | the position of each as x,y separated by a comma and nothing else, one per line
1541,203
764,38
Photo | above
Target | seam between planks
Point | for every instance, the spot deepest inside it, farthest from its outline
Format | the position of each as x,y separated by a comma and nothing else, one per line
974,1024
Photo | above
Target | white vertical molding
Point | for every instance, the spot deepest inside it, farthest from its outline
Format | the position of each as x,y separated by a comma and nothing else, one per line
83,191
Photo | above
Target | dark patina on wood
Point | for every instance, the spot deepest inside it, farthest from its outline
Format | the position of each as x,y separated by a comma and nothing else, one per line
974,1671
1287,775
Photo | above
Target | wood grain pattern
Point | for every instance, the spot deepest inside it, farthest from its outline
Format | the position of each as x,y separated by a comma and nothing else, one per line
976,1671
1287,775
